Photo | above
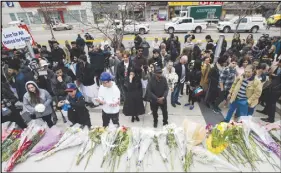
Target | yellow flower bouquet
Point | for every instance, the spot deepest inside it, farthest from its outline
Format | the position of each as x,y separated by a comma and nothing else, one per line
217,140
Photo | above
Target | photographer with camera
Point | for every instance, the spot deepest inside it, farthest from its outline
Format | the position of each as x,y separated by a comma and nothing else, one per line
9,111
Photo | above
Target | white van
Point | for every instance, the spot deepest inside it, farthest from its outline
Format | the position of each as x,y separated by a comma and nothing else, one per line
248,24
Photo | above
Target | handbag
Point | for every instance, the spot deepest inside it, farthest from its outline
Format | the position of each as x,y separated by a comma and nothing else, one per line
198,91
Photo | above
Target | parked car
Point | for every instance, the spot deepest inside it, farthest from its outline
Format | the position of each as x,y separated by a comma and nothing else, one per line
132,26
248,24
62,26
185,24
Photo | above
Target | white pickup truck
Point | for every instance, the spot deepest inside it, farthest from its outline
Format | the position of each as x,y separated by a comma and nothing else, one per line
251,24
185,24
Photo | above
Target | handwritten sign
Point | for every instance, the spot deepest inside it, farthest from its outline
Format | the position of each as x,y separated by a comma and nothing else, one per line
14,37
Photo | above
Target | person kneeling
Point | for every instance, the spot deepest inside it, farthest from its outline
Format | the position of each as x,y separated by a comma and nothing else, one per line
75,106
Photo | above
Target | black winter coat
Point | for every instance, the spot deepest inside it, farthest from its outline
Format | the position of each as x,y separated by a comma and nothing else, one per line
85,74
133,104
213,77
120,73
75,52
58,55
97,59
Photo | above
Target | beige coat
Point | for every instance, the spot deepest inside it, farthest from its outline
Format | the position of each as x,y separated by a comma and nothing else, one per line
204,78
253,91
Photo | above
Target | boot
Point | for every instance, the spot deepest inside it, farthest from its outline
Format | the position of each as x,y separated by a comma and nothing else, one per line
133,119
137,118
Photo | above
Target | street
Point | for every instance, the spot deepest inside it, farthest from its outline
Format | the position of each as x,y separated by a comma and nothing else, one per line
156,30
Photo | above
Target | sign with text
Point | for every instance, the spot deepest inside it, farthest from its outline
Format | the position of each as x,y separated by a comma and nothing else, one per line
14,37
47,3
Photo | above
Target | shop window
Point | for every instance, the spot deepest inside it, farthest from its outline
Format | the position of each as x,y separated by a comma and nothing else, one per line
72,16
84,15
13,17
35,18
23,17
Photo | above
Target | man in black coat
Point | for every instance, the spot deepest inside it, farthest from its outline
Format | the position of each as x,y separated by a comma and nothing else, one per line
97,60
58,54
75,51
137,41
158,89
182,72
139,62
156,59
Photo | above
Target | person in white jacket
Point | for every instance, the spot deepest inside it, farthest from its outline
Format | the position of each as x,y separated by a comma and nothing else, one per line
156,44
109,97
170,74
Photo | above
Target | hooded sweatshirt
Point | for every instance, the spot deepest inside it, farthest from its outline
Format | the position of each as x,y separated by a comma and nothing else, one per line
110,96
45,98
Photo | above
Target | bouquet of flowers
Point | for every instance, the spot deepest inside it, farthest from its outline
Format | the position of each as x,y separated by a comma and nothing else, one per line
71,138
29,141
51,137
134,144
7,129
94,140
194,135
121,144
217,140
146,141
160,140
171,141
10,145
206,157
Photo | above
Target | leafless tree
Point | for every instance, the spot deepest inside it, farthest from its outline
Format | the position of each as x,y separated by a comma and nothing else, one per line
245,9
114,16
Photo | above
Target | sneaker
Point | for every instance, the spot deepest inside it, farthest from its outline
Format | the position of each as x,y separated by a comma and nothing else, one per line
191,107
178,103
216,111
187,104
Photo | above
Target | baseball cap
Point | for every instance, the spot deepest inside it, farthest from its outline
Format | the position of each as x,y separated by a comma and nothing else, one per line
105,76
70,87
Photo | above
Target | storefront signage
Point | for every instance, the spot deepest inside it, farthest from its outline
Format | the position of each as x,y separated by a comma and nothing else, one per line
182,3
51,3
14,37
210,3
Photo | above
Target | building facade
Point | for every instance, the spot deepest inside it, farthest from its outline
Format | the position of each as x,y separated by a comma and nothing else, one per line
36,12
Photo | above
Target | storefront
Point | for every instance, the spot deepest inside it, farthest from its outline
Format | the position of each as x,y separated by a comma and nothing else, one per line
41,12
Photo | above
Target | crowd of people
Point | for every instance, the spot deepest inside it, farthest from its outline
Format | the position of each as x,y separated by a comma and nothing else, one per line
245,75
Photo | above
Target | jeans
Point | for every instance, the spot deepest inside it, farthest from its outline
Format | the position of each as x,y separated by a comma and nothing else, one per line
176,92
251,111
241,105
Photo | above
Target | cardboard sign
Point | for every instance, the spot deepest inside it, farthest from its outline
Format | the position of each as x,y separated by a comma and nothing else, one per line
14,37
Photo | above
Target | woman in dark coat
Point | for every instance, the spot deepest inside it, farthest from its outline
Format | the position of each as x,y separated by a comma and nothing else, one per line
213,78
133,105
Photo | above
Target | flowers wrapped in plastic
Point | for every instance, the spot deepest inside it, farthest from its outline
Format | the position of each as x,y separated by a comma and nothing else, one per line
51,137
204,156
134,145
10,144
7,129
27,142
171,141
121,144
94,139
217,140
146,141
194,133
71,138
